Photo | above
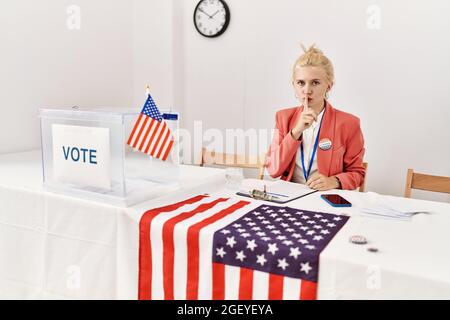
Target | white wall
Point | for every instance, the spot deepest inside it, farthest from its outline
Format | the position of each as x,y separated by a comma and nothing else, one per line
394,78
43,63
153,47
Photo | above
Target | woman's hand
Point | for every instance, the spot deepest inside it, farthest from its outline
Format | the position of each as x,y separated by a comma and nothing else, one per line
321,182
304,122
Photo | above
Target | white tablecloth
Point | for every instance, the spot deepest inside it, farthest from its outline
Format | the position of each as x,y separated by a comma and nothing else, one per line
54,246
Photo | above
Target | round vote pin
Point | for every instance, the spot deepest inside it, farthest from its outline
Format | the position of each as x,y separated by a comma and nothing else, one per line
325,144
358,239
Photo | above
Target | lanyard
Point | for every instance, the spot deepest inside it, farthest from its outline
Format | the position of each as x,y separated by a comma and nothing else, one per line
306,174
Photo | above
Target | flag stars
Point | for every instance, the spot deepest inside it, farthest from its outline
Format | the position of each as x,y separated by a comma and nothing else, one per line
279,238
331,225
261,259
240,255
305,267
220,252
251,245
272,248
282,264
295,252
231,242
317,238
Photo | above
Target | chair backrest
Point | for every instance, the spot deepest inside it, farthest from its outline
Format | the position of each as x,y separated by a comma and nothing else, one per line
362,187
425,182
234,160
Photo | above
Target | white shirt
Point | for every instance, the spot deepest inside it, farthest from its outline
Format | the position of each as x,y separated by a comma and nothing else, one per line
308,138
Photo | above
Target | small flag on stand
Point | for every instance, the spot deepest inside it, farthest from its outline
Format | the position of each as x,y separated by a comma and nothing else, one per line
150,133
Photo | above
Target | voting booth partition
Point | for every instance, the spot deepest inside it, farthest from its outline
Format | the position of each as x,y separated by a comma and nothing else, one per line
85,154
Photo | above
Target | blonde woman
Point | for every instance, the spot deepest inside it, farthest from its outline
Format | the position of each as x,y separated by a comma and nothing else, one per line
316,144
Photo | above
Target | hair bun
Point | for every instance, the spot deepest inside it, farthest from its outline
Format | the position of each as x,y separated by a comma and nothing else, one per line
311,50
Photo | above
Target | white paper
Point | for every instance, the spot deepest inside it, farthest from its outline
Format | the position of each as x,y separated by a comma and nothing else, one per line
81,155
393,208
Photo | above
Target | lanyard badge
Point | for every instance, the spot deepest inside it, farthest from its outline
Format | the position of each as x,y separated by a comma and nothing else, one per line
306,174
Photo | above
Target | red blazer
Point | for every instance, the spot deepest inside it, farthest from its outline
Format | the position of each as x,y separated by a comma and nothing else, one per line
343,160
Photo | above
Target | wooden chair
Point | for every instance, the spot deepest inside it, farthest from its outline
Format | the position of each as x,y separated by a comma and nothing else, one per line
426,182
362,187
234,160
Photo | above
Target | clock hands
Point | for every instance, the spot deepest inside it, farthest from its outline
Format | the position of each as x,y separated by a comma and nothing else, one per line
212,16
201,10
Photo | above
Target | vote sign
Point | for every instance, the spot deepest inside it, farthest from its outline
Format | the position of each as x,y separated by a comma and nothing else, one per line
81,155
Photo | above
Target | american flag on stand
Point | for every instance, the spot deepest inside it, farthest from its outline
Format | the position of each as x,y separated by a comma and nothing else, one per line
226,248
150,133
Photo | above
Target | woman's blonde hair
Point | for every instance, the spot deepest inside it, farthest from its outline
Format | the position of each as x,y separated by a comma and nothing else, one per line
314,57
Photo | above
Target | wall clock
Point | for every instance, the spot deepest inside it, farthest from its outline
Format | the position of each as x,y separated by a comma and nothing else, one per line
211,17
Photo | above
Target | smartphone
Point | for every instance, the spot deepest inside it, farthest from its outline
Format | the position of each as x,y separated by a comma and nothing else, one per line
335,200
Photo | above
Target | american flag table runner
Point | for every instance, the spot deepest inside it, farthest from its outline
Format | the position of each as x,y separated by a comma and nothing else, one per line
227,248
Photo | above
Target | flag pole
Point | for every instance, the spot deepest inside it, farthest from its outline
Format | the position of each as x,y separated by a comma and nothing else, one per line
147,90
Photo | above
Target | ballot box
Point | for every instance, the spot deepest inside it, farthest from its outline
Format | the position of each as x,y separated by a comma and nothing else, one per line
85,154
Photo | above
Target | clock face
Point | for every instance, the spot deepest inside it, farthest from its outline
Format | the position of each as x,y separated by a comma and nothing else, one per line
211,17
